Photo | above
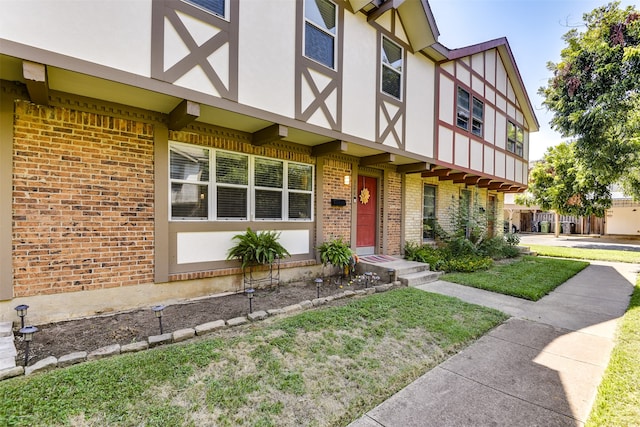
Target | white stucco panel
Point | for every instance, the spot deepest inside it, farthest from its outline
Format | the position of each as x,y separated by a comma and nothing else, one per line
266,56
463,74
519,172
510,168
214,246
462,151
501,130
490,95
490,66
197,80
445,144
477,85
420,106
501,103
501,77
489,124
359,78
499,170
477,63
511,110
110,33
449,67
446,100
476,156
488,160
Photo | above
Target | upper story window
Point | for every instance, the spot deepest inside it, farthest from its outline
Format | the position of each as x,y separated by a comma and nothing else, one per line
217,7
391,73
210,184
515,138
468,106
320,18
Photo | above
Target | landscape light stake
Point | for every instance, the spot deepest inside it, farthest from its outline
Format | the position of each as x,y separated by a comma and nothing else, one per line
367,278
318,284
22,311
27,335
250,293
157,309
391,272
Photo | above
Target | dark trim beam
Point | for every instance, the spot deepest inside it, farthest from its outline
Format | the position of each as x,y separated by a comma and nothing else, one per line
495,185
181,116
377,159
420,167
472,180
273,133
35,76
336,146
483,182
457,177
436,173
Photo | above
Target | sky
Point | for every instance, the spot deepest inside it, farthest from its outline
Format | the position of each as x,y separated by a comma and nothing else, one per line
534,29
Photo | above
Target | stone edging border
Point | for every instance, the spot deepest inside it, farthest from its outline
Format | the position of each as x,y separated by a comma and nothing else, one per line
180,335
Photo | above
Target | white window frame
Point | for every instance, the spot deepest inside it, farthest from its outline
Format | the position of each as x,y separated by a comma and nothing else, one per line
384,64
324,30
463,108
251,188
475,119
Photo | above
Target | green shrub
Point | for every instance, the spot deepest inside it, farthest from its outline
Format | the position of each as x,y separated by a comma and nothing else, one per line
498,248
512,239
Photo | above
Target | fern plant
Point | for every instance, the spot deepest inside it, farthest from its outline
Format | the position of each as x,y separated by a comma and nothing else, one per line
256,248
335,252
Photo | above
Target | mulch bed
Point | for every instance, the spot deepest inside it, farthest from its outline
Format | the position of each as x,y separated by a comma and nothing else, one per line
88,334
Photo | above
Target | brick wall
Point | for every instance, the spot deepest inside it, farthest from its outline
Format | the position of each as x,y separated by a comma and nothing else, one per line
413,208
83,201
336,220
393,215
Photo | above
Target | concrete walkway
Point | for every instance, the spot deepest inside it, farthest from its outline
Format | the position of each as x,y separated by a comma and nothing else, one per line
542,367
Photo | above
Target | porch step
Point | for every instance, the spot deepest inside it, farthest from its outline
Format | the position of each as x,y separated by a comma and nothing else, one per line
525,250
409,273
419,278
7,347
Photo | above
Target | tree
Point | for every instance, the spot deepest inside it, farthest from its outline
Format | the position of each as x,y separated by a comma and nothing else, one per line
594,94
566,186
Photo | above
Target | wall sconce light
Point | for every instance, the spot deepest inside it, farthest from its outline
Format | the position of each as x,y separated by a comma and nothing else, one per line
347,180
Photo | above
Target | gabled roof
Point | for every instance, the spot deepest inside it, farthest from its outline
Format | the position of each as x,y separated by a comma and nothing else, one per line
421,30
417,18
509,62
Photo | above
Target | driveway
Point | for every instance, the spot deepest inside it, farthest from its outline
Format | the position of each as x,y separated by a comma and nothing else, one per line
631,243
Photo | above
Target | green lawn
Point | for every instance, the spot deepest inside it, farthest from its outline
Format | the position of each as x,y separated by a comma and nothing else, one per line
529,277
618,400
593,254
321,367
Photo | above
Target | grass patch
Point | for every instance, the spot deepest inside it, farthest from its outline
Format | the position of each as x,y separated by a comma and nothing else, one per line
321,367
529,278
618,399
592,254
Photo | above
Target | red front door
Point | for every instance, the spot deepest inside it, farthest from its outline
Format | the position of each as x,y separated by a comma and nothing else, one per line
367,208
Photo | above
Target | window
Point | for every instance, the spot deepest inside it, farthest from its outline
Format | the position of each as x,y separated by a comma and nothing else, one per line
240,187
515,138
391,68
320,31
463,109
189,176
464,104
477,117
429,212
217,7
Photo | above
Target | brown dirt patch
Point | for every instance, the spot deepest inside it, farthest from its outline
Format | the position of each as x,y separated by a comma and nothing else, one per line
88,334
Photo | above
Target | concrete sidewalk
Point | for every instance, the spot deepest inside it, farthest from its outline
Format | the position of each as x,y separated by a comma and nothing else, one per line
542,367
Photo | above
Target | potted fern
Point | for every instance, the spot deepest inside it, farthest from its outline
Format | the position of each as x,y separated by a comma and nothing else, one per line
337,253
257,248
